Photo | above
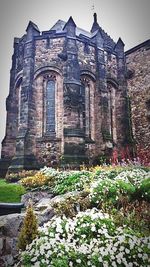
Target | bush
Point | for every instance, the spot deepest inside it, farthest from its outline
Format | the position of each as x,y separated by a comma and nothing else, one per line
15,177
134,176
135,215
110,191
29,229
71,181
72,205
143,191
35,181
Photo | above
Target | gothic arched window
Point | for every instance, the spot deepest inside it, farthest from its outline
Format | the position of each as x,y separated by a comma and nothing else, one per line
50,107
18,99
112,111
85,90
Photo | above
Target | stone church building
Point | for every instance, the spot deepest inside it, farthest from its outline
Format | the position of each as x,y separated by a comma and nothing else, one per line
69,97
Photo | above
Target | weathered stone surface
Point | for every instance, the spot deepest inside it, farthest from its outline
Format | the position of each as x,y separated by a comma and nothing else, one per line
10,224
35,197
45,215
86,68
43,203
138,62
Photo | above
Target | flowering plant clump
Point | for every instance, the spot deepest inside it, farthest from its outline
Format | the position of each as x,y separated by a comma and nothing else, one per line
48,171
91,238
16,176
109,191
71,181
35,181
143,191
135,176
71,205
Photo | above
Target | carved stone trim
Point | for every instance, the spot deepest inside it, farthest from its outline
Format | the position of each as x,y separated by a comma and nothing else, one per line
49,76
46,69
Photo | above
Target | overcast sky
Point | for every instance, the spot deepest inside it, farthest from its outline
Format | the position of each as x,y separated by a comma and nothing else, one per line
128,19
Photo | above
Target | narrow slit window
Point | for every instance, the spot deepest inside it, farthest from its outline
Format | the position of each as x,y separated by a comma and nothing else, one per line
50,107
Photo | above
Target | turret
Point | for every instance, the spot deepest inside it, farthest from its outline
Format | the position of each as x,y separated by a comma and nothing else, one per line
95,25
32,30
119,48
99,39
70,27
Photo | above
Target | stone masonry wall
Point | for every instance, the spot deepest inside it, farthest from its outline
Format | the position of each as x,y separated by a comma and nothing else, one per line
87,123
46,52
86,56
138,62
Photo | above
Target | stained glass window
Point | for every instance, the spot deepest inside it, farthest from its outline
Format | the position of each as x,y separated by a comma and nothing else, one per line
86,109
50,107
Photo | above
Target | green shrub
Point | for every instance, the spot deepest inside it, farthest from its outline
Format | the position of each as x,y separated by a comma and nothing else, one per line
36,181
72,205
71,181
143,191
135,215
29,229
110,191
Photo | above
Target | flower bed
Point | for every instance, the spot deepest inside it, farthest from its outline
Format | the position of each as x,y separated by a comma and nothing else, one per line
89,239
106,224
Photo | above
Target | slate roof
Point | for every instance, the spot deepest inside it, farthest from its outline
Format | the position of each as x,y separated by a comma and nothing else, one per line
108,41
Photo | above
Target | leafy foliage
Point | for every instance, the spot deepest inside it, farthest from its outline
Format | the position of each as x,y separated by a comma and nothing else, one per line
70,181
14,177
110,191
35,181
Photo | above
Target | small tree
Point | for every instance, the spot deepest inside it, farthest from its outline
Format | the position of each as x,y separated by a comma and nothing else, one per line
29,228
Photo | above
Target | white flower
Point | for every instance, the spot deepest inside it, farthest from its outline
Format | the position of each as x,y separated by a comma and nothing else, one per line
100,259
34,259
127,251
119,261
51,234
93,229
114,264
37,264
78,261
121,248
70,263
105,264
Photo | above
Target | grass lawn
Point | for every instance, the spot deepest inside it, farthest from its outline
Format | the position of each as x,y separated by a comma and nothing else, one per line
10,192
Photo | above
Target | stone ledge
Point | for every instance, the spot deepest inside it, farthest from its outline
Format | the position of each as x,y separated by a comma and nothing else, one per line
10,208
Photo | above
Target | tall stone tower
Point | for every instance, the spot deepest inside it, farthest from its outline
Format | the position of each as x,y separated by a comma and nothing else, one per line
68,98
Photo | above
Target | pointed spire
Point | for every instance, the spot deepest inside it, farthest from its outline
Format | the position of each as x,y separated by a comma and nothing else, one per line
32,30
95,17
32,25
119,45
119,48
99,38
95,25
70,27
70,22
